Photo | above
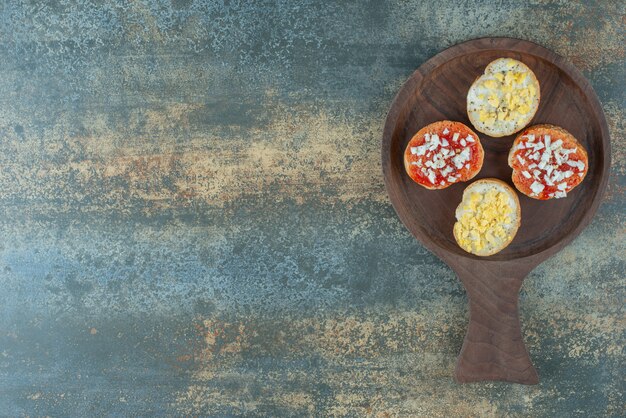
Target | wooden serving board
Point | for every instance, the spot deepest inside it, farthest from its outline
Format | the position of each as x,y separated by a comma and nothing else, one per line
493,348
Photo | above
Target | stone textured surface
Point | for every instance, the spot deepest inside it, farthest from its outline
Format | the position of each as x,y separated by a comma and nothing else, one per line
194,220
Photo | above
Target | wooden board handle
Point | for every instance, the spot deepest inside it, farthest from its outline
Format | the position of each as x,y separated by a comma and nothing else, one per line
493,348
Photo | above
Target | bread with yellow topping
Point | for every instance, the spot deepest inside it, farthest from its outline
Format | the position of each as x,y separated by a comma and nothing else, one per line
504,99
488,217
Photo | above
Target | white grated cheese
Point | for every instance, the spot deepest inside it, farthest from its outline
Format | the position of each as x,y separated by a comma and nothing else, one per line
439,163
532,165
562,186
452,179
455,137
559,158
444,142
434,142
521,160
417,163
568,174
461,158
431,176
421,150
556,144
537,187
578,164
526,174
547,140
463,142
581,174
445,131
469,138
531,137
548,181
560,194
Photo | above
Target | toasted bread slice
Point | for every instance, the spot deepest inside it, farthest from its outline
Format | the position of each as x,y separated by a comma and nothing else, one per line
443,153
504,99
547,162
488,217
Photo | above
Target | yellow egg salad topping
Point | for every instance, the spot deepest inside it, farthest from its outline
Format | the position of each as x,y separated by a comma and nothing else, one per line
509,95
484,221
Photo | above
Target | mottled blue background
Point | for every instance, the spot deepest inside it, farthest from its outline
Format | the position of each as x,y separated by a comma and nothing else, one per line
194,220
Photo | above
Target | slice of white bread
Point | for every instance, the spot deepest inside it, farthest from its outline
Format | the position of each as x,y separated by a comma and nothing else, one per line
553,175
488,217
457,148
504,99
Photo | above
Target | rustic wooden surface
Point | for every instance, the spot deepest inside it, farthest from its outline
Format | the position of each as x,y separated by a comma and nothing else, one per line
194,220
493,348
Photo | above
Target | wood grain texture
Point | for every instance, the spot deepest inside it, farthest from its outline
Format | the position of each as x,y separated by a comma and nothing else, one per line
493,347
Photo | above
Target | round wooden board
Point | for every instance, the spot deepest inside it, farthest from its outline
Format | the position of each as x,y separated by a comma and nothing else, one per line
438,90
493,348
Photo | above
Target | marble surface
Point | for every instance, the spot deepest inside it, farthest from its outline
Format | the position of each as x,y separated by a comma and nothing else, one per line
194,221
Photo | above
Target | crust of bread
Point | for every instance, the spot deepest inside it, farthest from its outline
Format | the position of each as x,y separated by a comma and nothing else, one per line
538,130
407,165
439,127
473,115
518,213
406,168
